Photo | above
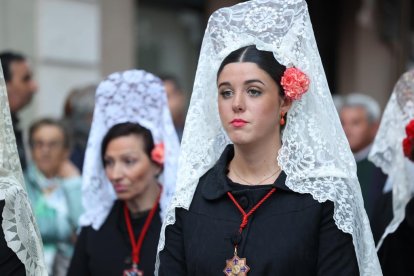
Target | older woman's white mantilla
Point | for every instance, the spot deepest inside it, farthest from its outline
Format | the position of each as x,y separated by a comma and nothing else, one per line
132,96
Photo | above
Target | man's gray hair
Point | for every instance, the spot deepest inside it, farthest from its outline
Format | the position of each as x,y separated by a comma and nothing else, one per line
368,103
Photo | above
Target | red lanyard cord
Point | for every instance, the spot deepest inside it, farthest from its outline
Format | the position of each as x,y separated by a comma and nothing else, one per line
136,246
245,219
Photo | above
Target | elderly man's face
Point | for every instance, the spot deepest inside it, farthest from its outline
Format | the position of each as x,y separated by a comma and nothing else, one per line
358,129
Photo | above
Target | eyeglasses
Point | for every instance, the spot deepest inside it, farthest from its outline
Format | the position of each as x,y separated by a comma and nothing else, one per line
53,145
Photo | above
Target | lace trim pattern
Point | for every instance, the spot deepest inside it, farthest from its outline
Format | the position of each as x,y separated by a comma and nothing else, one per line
19,226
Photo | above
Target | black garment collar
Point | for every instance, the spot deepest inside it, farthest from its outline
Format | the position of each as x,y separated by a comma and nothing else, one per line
217,183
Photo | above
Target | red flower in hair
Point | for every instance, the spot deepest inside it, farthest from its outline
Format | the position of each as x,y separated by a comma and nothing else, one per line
408,148
409,129
295,83
157,154
408,142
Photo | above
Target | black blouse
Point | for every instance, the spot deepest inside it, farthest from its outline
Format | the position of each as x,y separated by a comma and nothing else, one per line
396,254
108,250
289,234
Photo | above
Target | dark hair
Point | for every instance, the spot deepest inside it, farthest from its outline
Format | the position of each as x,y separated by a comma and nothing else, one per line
264,59
125,129
7,58
50,122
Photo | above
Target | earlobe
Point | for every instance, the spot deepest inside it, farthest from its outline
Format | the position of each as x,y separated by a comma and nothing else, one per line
285,105
157,170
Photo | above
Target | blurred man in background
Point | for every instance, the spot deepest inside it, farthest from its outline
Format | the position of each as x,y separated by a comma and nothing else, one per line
360,116
78,114
176,102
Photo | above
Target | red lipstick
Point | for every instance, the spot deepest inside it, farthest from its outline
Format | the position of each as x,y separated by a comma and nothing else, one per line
238,122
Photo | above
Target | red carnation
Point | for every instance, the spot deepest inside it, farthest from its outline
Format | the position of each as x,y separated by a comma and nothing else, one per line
407,147
295,83
409,129
157,154
408,142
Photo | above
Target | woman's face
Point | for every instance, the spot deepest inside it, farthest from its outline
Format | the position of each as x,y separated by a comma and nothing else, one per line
48,149
249,103
129,168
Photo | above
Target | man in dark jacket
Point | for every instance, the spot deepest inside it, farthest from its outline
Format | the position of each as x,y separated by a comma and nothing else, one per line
20,89
360,116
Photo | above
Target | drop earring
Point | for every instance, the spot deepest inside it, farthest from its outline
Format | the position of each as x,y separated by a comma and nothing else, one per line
282,118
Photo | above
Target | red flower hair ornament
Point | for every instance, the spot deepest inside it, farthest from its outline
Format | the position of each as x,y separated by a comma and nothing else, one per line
295,83
408,142
157,154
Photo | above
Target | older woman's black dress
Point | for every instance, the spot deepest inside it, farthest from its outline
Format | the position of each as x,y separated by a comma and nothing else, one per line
108,250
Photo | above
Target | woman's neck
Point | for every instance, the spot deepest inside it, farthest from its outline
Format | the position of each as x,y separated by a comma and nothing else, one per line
48,174
144,201
252,164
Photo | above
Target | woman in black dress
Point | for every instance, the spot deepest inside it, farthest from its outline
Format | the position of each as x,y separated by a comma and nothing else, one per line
131,130
393,152
266,182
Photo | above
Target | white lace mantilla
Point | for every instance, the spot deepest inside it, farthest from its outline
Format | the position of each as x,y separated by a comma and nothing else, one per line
387,152
315,154
132,96
19,226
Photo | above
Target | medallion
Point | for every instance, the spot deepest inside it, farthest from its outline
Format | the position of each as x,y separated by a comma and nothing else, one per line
134,271
236,267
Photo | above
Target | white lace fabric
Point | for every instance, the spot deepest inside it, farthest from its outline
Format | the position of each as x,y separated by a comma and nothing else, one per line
19,226
132,96
387,152
315,154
